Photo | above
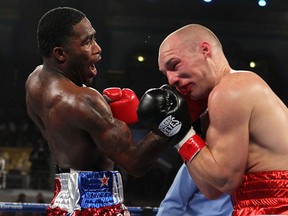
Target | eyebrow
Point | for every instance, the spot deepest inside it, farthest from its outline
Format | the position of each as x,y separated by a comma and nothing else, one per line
88,37
166,65
171,61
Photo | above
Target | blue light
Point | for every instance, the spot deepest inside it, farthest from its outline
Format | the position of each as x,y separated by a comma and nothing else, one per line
207,0
262,3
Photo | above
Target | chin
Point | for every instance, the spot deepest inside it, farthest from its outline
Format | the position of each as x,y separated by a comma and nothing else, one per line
193,97
88,82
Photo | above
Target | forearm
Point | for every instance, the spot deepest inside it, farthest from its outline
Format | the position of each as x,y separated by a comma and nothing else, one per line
206,188
210,175
138,158
148,151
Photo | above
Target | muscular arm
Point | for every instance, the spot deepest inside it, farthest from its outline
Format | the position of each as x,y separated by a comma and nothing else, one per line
114,138
220,166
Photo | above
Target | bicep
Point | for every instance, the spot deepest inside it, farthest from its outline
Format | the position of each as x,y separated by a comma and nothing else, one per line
229,148
220,166
107,133
228,136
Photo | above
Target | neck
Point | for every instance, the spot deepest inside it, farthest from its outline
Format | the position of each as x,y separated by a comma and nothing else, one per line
51,67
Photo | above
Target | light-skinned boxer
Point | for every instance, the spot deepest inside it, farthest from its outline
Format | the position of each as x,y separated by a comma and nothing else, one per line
83,136
183,197
245,152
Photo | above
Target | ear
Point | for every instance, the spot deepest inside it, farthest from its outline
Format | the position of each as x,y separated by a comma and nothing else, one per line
59,53
206,49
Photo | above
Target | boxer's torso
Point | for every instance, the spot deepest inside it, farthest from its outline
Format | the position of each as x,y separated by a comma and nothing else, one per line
54,103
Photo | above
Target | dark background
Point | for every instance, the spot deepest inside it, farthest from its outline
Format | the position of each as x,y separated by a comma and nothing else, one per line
126,29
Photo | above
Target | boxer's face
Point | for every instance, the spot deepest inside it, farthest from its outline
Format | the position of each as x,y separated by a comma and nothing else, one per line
83,52
185,68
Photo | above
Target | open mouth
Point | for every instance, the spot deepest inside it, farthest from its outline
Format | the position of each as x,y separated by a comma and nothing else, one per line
93,70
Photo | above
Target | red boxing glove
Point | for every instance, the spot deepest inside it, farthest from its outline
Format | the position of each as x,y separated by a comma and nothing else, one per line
123,103
196,108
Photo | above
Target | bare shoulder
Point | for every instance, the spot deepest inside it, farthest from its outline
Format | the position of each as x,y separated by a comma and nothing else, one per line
238,85
236,96
87,105
32,76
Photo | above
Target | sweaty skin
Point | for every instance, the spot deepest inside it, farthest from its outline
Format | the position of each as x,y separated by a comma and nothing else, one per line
75,120
248,122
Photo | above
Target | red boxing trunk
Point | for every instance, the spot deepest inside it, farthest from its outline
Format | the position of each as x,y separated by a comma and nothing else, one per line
262,193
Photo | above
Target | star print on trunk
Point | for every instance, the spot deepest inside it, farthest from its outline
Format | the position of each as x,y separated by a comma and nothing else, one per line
104,180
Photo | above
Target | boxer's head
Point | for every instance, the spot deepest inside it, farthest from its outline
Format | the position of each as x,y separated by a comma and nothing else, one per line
55,27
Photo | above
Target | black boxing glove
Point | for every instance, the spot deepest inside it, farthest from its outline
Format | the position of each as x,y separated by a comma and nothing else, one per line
164,111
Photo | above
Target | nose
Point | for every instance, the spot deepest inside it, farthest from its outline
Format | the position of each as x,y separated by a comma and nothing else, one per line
96,48
172,78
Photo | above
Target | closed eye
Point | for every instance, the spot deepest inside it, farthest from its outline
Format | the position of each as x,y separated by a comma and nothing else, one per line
172,64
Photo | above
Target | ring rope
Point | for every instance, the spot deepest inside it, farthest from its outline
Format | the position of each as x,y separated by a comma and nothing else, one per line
41,207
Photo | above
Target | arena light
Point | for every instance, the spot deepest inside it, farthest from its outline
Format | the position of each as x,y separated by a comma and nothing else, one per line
252,64
262,3
207,1
140,58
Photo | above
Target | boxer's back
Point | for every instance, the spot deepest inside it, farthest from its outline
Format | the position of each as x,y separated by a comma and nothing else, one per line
54,104
268,131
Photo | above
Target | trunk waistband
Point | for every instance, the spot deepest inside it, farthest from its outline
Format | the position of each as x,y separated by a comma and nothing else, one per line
81,190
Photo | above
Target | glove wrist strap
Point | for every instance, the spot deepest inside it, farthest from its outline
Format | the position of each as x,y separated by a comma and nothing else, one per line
189,148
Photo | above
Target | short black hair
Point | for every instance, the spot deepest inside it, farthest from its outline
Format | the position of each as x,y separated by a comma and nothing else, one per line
55,27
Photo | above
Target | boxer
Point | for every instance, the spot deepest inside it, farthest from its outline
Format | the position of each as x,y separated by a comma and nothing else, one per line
84,137
245,152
